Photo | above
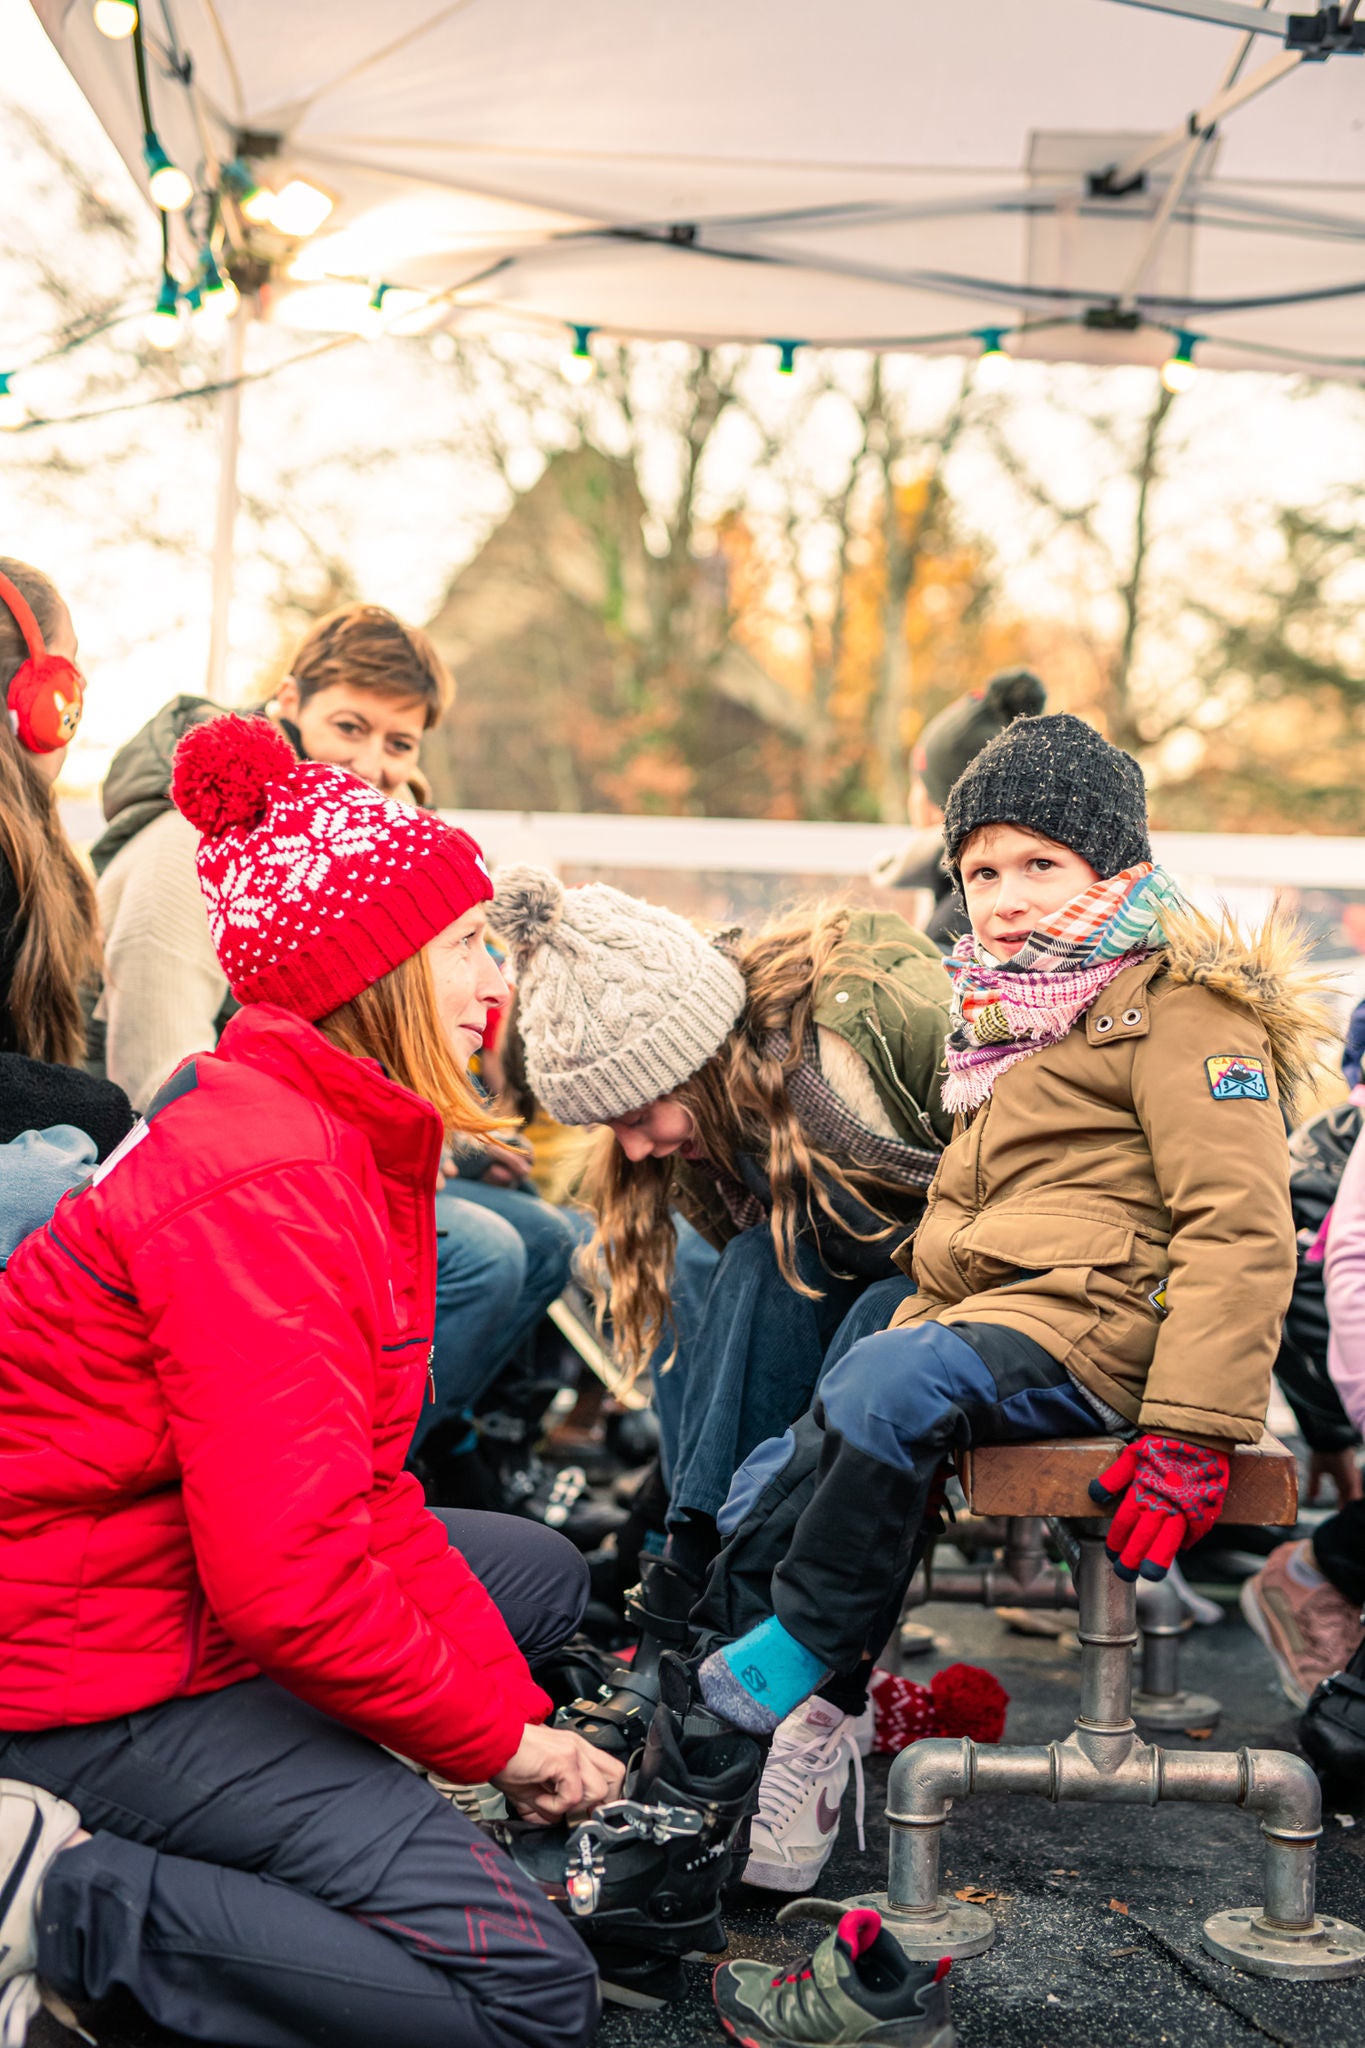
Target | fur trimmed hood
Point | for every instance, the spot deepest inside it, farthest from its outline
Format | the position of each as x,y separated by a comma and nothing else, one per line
1266,969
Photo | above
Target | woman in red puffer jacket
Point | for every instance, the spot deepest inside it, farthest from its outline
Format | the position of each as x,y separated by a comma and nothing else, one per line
219,1593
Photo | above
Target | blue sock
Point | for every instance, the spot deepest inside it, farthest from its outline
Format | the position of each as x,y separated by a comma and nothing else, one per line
755,1682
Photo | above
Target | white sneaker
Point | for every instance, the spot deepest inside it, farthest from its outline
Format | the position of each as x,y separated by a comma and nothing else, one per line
863,1729
800,1796
33,1827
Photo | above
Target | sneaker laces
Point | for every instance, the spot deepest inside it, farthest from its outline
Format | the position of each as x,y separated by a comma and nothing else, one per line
786,1780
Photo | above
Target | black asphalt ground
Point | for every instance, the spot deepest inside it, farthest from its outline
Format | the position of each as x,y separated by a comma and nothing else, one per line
1070,1968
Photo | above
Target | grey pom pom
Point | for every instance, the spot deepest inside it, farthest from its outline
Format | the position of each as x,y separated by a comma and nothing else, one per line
525,909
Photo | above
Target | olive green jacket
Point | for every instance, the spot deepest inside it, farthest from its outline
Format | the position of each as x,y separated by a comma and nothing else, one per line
894,1016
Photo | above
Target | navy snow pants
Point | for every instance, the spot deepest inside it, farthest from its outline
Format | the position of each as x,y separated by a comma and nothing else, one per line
258,1874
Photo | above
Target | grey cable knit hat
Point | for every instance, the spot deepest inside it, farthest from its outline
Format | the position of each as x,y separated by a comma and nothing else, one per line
618,1000
1057,776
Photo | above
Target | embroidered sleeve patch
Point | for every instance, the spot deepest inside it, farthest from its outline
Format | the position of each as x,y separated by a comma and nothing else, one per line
1234,1077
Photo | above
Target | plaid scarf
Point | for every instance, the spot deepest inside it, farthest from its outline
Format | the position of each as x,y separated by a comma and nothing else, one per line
1003,1011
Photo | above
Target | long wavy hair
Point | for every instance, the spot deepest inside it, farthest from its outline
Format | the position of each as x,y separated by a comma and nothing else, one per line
738,1103
395,1021
55,937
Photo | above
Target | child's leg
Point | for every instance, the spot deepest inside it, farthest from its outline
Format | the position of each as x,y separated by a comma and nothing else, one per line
892,1407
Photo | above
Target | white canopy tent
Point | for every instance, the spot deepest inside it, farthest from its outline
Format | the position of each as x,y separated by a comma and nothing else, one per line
877,173
1088,176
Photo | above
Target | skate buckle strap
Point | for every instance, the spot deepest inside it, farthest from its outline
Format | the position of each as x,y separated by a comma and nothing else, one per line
619,1820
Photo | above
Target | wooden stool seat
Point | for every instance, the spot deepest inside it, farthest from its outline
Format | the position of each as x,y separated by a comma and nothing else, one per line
1053,1477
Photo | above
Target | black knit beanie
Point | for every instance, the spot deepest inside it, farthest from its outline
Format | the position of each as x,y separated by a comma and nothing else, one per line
951,742
1058,777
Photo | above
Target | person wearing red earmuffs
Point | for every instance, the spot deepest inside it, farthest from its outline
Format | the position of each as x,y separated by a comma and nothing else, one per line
55,1121
47,904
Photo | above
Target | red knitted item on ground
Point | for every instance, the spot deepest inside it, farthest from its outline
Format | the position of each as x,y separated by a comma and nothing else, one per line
960,1700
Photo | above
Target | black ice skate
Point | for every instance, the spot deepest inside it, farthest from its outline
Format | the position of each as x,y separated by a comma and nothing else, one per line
642,1878
617,1716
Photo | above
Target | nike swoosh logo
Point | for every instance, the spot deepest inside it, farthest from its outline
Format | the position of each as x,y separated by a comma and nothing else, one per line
826,1816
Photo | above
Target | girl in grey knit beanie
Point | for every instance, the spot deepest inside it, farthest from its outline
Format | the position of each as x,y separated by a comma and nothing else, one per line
745,1081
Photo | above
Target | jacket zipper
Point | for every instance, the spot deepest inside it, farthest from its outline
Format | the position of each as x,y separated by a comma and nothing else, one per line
921,1116
431,1375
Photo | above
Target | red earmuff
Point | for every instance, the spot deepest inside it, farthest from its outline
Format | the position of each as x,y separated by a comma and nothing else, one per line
47,693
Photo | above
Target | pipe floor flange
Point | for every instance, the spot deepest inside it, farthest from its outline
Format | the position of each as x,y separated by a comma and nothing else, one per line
1330,1948
957,1929
1179,1710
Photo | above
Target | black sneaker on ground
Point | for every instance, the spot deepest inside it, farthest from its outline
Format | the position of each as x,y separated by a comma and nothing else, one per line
561,1500
858,1990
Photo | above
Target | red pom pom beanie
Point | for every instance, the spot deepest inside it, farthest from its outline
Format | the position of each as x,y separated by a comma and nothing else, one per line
316,884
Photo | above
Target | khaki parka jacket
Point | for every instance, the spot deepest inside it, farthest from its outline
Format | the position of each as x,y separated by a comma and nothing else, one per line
1123,1197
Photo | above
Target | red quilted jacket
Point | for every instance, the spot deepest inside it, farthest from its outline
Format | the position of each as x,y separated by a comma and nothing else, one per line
211,1363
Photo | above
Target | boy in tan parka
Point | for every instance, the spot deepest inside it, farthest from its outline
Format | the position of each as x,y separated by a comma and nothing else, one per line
1107,1245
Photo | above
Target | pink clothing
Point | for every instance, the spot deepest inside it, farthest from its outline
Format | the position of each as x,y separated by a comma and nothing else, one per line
1345,1280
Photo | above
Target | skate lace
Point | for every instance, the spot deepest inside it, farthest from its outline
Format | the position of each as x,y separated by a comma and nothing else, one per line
786,1781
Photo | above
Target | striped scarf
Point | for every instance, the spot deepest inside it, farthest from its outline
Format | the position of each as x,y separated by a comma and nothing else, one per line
1005,1010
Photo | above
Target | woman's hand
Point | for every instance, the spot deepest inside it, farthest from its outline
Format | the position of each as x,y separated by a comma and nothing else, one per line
556,1775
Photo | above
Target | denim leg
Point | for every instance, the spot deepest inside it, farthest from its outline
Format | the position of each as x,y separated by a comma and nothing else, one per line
549,1239
752,1367
480,1278
891,1409
872,1311
694,1268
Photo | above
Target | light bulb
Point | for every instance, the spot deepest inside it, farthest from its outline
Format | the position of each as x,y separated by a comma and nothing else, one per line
1179,370
299,209
221,297
258,205
171,189
13,411
578,366
115,18
994,363
162,328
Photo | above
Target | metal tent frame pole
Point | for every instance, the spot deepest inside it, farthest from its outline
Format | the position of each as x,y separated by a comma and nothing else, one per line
225,522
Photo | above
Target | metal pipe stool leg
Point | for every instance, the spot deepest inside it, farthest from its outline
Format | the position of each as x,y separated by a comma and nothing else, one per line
1159,1701
1104,1759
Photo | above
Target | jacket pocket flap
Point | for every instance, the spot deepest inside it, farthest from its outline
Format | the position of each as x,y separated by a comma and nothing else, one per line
1041,1240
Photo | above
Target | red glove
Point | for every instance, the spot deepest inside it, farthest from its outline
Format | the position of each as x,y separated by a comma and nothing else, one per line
1174,1495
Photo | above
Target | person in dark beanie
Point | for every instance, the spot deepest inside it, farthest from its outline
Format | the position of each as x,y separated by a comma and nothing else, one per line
1108,1244
945,749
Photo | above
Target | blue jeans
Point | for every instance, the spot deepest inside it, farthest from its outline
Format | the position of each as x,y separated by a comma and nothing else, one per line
750,1354
503,1258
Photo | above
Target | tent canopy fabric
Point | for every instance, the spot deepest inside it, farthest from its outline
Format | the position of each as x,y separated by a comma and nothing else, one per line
876,173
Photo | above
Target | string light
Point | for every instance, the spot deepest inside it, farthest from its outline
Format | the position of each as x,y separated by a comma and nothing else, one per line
298,209
13,411
1179,370
578,366
116,19
171,188
220,294
255,202
994,363
786,357
162,329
